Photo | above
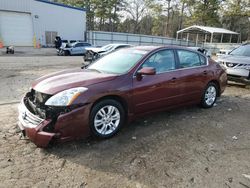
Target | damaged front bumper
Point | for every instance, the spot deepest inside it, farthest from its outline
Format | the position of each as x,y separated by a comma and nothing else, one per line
67,126
32,126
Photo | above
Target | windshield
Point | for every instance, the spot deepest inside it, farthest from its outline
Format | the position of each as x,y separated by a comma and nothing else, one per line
70,45
118,62
241,51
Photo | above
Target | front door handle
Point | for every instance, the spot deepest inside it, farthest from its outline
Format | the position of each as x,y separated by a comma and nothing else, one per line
173,79
205,72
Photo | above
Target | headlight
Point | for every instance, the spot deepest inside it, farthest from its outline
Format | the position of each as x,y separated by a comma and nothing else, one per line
231,64
65,98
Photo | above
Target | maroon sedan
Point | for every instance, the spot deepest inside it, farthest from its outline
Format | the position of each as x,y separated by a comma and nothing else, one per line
102,97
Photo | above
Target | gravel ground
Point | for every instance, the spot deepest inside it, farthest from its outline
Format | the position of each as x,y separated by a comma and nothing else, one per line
188,147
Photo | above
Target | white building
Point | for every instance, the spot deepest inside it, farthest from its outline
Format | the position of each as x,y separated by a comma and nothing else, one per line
37,22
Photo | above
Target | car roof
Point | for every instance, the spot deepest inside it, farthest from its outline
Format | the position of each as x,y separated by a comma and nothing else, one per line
151,48
146,48
116,44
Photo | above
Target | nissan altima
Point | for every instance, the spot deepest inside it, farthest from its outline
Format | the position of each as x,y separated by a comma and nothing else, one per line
114,90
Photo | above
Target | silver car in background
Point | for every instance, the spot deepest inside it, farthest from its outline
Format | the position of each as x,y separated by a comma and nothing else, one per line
75,48
237,63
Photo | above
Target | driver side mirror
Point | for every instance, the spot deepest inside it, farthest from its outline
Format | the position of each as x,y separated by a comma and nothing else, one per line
145,71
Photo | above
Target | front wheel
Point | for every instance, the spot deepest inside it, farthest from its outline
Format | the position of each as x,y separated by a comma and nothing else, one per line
106,118
210,95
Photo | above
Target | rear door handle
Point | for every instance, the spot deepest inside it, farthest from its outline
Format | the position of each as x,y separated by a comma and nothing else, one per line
205,72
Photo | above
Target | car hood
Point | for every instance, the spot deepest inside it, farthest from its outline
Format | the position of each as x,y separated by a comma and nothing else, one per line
97,50
59,81
234,59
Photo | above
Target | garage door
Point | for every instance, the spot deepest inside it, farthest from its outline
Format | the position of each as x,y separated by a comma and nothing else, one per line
16,28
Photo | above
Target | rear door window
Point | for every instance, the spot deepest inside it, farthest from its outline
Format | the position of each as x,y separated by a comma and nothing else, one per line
203,60
189,59
79,44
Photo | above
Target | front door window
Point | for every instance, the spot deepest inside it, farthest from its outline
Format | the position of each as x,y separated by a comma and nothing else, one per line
162,61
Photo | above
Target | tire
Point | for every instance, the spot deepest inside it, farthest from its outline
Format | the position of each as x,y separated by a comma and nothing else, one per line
101,123
209,96
66,53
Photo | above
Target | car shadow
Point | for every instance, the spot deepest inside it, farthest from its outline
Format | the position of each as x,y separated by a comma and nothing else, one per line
164,136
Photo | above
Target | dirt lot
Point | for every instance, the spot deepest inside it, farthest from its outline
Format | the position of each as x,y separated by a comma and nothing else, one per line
189,147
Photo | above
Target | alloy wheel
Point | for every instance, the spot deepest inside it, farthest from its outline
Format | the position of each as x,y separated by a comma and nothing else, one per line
210,95
107,120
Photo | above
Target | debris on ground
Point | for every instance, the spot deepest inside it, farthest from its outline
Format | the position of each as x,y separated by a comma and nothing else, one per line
84,184
235,138
207,169
244,185
230,180
192,180
246,176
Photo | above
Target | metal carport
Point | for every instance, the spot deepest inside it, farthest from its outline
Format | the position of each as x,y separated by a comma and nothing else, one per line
207,32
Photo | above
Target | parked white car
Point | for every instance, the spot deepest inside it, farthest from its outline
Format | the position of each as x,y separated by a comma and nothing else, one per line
95,53
76,48
225,51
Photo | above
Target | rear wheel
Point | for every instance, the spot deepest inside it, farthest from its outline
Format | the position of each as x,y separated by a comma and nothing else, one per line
66,53
210,95
106,118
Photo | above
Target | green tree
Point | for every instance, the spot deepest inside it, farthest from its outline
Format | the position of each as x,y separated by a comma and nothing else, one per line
101,14
236,17
204,12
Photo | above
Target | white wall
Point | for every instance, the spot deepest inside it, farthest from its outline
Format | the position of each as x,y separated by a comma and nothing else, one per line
68,23
15,5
